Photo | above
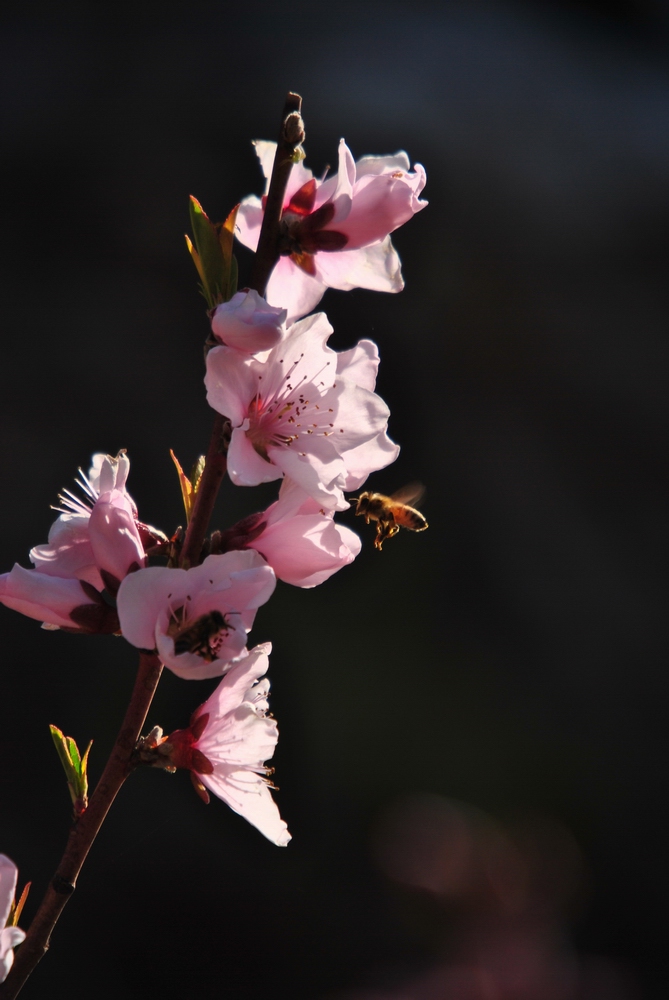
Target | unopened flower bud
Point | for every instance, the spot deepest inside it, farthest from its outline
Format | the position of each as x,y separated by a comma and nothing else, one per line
248,323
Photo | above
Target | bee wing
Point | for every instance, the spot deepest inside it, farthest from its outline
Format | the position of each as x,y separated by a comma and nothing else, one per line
410,494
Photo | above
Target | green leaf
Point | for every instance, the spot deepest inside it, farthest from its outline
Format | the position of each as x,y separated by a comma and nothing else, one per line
195,255
74,754
212,269
74,767
63,750
189,485
211,250
84,771
226,235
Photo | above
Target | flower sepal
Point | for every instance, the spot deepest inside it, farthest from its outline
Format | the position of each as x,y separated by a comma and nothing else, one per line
178,750
240,535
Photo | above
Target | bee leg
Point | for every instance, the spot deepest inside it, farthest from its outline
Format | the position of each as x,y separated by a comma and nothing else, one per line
383,531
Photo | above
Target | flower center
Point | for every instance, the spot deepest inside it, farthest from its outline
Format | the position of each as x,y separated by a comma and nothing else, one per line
297,409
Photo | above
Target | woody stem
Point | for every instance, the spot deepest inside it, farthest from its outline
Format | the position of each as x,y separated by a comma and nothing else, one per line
119,765
85,829
291,135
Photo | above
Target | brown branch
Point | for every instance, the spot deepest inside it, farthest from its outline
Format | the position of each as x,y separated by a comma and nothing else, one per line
215,467
85,829
291,136
119,765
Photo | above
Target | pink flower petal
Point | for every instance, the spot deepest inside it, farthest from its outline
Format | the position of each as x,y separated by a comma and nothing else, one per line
47,598
109,473
383,164
114,536
231,382
248,794
293,289
248,222
68,553
230,692
340,194
245,466
375,267
248,323
360,365
10,937
381,204
8,878
242,582
141,599
361,415
307,549
322,477
373,455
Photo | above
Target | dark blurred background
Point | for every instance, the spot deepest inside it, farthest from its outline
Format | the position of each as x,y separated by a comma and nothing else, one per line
473,740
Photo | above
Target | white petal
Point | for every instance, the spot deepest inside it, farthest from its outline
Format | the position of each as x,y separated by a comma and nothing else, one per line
293,289
245,466
8,876
231,691
376,267
247,794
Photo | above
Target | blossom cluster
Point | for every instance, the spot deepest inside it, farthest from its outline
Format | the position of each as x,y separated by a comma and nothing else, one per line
298,412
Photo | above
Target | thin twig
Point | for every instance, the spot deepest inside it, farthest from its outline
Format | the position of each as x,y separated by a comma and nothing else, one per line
118,766
291,135
215,467
85,829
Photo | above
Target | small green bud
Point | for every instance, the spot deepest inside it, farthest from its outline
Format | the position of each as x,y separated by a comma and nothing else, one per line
189,484
75,767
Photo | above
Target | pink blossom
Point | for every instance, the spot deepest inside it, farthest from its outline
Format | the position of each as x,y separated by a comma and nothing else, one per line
301,542
10,937
228,741
336,231
58,602
98,537
248,323
197,619
303,411
94,543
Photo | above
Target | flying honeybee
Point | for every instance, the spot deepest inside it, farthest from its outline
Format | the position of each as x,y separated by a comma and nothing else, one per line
393,512
204,636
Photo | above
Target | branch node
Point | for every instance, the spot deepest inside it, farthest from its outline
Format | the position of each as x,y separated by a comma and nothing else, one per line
62,885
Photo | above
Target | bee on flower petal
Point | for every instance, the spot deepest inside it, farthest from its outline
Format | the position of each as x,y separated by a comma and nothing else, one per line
393,512
204,637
